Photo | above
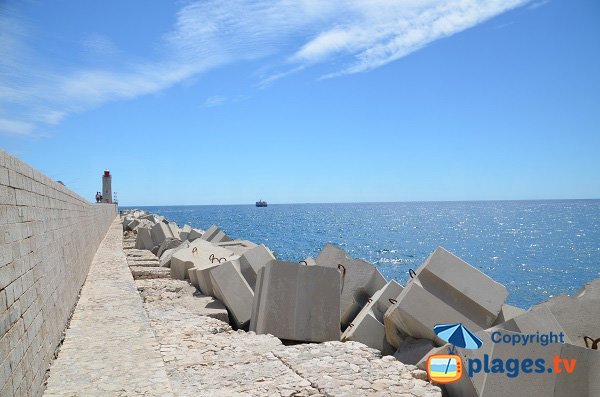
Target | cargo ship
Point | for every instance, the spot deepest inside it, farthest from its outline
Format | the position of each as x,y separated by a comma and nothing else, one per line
261,203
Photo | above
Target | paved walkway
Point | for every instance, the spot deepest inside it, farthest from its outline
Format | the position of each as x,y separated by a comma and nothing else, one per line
159,337
109,349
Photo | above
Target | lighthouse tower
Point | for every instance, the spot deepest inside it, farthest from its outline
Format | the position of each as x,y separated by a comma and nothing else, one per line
107,187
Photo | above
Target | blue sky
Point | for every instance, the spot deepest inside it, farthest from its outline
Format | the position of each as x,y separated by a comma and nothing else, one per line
216,102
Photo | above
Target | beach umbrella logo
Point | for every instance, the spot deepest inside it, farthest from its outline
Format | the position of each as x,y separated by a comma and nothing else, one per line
448,368
458,335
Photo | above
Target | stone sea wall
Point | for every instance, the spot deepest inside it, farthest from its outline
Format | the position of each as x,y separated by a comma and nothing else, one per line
48,238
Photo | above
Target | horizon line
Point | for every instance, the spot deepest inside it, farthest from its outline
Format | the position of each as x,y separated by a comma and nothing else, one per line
365,202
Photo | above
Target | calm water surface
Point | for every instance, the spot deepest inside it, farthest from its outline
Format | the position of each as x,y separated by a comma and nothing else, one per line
537,249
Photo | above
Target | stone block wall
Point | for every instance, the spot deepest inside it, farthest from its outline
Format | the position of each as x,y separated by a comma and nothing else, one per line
48,238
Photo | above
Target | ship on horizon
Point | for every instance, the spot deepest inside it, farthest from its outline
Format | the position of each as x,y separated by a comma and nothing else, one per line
261,203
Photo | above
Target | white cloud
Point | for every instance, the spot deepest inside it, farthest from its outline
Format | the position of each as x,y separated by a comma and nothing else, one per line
15,127
290,35
215,100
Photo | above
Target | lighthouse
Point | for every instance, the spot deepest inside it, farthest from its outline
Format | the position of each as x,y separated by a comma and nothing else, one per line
107,187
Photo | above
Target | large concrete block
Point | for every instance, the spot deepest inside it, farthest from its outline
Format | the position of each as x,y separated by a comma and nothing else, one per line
584,381
184,259
210,233
143,240
201,271
361,281
161,231
231,288
220,237
411,351
363,328
195,234
165,258
297,302
185,232
167,244
578,315
536,320
508,312
195,262
174,229
252,261
238,247
462,287
415,314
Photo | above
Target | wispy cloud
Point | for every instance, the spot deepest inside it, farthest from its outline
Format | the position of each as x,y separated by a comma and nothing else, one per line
215,100
290,35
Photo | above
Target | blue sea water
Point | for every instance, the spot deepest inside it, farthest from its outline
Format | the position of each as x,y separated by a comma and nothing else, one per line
537,249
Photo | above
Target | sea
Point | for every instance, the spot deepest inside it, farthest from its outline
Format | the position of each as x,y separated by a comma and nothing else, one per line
537,249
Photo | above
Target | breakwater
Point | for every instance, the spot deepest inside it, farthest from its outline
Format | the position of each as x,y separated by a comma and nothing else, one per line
48,237
335,297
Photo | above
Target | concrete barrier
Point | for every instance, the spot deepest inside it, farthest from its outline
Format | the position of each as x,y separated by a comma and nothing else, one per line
238,247
252,261
230,287
185,232
539,319
165,258
195,234
297,302
461,286
144,239
508,312
160,231
361,281
578,315
196,261
411,351
407,317
210,232
167,244
367,327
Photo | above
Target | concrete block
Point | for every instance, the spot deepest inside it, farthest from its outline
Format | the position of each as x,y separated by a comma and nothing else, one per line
210,233
462,287
360,282
160,232
411,350
363,328
231,288
525,384
144,239
167,244
252,261
199,254
220,237
370,331
184,233
297,302
578,315
165,258
195,234
195,262
238,247
174,229
539,319
508,312
415,314
585,379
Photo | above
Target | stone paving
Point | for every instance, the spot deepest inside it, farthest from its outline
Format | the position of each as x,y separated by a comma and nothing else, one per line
109,347
201,354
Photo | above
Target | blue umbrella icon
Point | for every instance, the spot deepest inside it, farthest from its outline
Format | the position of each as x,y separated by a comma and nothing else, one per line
458,335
